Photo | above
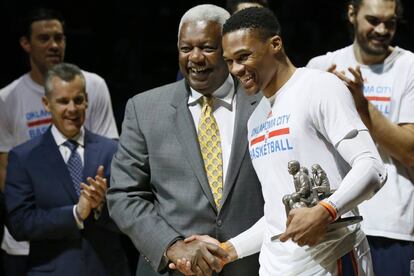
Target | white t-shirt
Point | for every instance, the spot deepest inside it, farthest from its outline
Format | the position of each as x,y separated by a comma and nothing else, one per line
305,122
390,87
23,116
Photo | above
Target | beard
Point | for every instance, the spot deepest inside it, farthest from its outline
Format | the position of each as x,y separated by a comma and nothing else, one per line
367,45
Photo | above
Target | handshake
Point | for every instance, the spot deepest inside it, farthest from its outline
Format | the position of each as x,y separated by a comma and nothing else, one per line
200,255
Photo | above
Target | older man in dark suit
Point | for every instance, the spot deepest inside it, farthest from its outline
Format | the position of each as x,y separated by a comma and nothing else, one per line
182,166
47,200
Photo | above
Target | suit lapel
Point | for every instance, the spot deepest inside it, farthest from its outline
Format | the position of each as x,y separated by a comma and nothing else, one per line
57,168
244,108
91,154
187,136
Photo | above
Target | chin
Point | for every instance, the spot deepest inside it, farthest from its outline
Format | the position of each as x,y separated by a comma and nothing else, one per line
252,90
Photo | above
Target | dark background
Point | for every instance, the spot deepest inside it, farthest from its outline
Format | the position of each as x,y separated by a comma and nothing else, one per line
134,48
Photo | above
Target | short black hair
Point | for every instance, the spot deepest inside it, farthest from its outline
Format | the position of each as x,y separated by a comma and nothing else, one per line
38,14
399,10
231,5
261,19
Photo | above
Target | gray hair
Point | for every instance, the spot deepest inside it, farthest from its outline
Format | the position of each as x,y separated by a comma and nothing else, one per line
206,12
64,71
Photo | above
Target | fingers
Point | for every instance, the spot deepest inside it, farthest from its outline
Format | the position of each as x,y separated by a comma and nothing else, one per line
93,194
101,171
183,265
332,68
191,238
212,262
284,237
203,238
217,251
99,184
356,72
203,267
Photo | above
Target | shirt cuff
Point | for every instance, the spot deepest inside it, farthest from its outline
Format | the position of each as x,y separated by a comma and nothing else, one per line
79,221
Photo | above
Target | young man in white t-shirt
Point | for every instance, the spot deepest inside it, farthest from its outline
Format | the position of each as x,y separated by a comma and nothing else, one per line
381,79
22,115
309,116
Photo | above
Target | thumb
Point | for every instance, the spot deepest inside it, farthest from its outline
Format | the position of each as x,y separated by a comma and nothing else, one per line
331,68
101,171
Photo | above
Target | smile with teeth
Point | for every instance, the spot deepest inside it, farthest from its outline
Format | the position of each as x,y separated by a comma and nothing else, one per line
198,70
247,78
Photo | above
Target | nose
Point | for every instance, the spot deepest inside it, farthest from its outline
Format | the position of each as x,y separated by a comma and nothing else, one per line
72,106
196,55
237,69
54,43
381,29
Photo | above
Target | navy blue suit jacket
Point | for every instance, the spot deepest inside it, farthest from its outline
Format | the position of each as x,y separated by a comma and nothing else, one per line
40,197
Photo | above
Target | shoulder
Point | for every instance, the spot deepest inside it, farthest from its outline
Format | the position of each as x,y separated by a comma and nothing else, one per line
92,78
315,76
324,86
324,61
159,95
403,56
27,148
105,141
9,89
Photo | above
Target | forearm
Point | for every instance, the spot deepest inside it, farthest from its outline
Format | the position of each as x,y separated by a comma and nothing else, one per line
37,224
366,176
250,241
395,140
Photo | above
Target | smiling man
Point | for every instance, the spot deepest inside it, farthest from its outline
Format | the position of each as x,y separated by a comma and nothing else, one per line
47,200
381,79
22,114
182,167
314,113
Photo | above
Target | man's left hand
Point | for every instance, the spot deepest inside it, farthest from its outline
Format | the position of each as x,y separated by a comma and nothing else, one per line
306,226
96,190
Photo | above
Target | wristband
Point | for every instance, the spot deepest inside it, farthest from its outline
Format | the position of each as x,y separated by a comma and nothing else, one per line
331,210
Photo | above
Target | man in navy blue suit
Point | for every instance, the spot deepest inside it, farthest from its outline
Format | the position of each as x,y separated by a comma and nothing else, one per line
47,200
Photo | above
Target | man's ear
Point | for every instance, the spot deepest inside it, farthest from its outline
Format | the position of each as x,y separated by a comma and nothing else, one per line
25,44
351,14
276,43
45,102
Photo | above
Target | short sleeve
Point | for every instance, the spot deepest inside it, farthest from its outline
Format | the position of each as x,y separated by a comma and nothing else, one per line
101,117
333,109
407,102
6,136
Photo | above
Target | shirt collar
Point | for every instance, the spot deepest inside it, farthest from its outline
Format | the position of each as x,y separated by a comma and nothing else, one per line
224,94
60,138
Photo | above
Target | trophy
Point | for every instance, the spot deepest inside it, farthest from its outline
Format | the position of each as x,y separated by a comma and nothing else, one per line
309,190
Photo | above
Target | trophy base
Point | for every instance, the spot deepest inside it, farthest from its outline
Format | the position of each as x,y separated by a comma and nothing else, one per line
343,222
339,223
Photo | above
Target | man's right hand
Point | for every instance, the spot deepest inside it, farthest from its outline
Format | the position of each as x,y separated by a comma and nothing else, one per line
83,208
203,257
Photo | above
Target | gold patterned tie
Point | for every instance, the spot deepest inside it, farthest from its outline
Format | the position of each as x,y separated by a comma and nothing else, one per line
210,144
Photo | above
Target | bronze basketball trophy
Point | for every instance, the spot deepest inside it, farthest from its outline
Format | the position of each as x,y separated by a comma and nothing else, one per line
309,190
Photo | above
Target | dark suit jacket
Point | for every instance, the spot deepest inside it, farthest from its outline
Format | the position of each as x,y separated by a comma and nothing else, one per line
40,197
159,188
